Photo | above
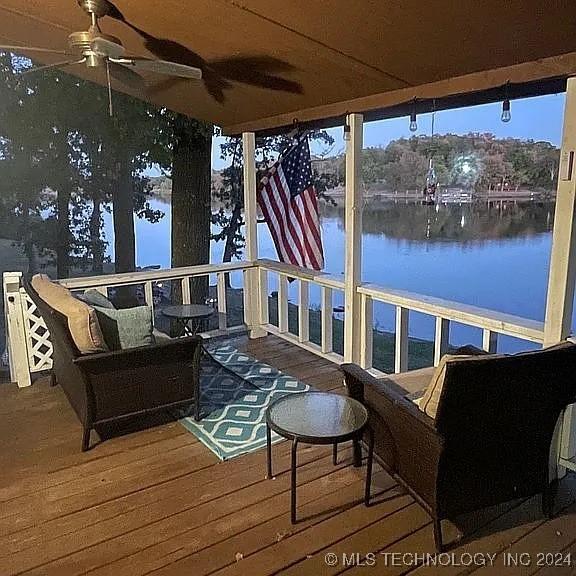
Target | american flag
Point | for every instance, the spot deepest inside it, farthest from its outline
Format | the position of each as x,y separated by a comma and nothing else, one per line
287,198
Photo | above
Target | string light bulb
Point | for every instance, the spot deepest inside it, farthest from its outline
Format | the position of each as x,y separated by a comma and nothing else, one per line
413,122
506,116
346,130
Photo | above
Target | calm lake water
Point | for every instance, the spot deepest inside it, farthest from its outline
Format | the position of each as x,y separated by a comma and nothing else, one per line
490,255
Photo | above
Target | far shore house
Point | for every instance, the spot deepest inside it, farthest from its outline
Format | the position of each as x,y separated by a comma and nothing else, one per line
287,64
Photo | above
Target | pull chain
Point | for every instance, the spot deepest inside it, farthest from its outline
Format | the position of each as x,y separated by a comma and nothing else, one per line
110,108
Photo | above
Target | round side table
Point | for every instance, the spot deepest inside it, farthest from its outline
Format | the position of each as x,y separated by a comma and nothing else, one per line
189,317
319,418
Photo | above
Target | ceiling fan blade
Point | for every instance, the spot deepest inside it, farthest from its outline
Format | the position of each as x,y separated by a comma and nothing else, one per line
35,69
161,67
4,47
107,48
162,48
253,70
126,76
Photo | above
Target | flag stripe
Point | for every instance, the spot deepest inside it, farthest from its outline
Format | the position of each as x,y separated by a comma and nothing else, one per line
287,245
274,227
299,210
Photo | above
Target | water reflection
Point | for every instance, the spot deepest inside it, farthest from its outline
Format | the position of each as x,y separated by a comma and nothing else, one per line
470,223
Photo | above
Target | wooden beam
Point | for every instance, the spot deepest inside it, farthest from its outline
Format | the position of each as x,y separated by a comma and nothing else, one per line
562,277
251,292
353,224
543,76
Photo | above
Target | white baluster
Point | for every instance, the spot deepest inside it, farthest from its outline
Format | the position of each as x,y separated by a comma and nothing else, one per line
489,340
366,331
441,339
327,316
282,303
401,347
221,289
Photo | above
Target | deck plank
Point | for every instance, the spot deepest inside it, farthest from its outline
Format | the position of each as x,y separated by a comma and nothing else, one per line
156,501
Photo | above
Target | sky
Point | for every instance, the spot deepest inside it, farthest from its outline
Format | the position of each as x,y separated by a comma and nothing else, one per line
532,118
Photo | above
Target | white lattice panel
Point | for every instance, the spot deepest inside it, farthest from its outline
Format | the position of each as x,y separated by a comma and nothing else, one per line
37,336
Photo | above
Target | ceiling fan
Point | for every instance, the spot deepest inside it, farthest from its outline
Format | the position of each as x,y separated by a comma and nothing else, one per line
179,63
260,71
96,49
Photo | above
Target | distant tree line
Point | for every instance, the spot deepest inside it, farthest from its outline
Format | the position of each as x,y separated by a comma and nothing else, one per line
475,161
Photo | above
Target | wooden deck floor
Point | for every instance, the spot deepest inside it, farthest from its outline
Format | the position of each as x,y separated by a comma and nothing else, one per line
158,502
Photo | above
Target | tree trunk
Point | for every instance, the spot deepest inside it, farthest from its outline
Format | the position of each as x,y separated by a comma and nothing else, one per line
124,236
27,238
96,244
229,247
233,227
123,216
63,234
191,203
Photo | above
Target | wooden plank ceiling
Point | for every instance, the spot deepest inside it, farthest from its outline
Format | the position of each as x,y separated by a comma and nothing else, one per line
344,56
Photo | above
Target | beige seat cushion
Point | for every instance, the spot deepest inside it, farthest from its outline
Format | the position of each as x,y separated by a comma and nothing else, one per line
429,402
82,321
410,382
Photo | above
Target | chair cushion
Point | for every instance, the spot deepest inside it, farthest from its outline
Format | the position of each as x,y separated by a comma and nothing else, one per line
410,383
82,320
126,328
94,298
431,398
160,336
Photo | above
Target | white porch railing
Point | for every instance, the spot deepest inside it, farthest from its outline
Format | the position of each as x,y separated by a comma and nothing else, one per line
491,322
27,338
444,311
30,349
327,282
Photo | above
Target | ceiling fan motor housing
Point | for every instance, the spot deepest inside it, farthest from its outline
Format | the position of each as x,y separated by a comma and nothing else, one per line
82,43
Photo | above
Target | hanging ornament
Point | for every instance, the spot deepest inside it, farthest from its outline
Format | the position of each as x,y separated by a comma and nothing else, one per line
431,180
413,122
431,184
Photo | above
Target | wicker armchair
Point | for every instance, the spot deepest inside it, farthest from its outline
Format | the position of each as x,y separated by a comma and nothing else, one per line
113,386
490,441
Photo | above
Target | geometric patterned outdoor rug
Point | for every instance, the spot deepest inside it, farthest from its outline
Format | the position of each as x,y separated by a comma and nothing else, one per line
235,392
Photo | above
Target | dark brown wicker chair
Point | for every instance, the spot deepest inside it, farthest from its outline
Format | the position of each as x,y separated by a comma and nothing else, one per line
490,441
112,386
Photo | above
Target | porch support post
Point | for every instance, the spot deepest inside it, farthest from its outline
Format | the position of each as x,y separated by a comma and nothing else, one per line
562,277
251,277
16,339
353,223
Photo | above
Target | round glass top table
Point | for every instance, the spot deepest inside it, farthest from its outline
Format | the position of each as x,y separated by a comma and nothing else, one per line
319,418
189,317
